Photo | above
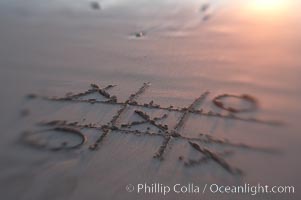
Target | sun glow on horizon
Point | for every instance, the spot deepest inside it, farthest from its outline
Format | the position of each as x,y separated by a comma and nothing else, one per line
269,6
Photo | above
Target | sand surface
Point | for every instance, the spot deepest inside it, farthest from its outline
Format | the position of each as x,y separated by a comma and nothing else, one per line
180,49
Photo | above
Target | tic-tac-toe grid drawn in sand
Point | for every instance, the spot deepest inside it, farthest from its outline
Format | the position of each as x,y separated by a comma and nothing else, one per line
116,124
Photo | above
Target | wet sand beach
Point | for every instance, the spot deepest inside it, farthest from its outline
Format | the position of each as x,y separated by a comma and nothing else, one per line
100,96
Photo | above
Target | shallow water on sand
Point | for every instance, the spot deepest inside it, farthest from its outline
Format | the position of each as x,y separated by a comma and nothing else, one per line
183,48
